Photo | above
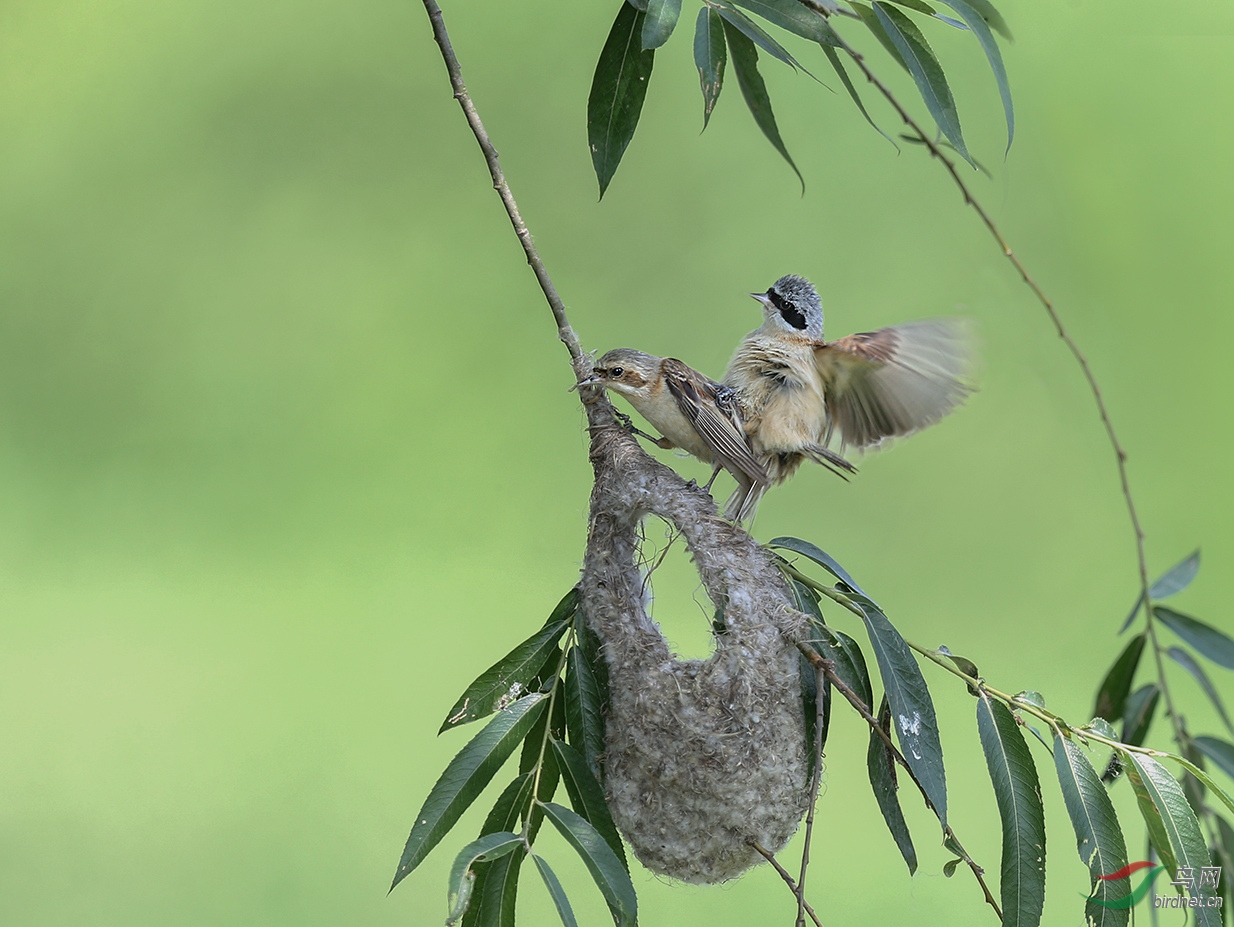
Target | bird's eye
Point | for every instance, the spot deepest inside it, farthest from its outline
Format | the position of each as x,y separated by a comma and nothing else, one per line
616,372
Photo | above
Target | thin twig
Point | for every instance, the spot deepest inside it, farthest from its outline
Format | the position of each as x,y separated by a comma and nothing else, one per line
1120,454
564,331
820,695
788,879
826,667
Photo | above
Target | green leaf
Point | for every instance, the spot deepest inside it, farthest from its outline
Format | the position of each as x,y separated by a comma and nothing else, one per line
745,64
927,73
792,17
992,16
462,879
1176,578
1171,582
606,869
662,16
1018,792
1138,714
465,778
710,54
495,893
1029,697
949,867
617,93
1205,639
919,5
1102,727
508,678
819,556
1188,662
493,902
850,663
880,764
1149,778
556,892
586,796
1112,695
1219,751
871,21
809,680
584,713
963,664
1099,838
837,65
981,29
912,710
1202,775
755,33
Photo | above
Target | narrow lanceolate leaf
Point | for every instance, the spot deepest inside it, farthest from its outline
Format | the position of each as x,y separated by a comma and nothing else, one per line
745,64
1171,582
1018,793
819,556
508,678
809,710
791,16
617,92
1138,713
556,892
496,883
993,17
465,778
584,711
1204,778
586,796
927,73
871,21
837,65
1219,751
662,16
880,764
1207,640
462,879
1155,786
1112,695
981,29
1188,662
912,710
1099,838
605,868
850,663
710,54
919,5
755,33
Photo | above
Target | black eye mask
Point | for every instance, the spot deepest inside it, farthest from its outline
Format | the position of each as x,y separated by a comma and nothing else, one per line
789,313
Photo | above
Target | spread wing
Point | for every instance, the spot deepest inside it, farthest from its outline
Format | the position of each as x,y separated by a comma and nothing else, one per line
893,381
713,411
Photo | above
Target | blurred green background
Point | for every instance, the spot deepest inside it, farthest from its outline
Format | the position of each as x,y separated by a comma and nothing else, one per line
287,456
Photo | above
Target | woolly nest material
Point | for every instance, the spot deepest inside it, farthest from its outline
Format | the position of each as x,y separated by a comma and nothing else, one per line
701,755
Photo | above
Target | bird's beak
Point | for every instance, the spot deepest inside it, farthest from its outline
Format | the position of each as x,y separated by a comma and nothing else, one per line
593,380
762,298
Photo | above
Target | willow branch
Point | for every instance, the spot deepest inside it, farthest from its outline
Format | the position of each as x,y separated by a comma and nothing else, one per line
788,879
564,331
826,667
936,151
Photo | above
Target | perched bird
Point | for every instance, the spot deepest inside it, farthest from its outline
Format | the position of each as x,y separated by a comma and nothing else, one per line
691,412
796,389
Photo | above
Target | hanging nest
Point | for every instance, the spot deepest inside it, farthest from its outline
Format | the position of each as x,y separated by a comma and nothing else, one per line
701,756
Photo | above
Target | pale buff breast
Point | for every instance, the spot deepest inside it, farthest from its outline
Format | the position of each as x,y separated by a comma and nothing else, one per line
662,411
780,391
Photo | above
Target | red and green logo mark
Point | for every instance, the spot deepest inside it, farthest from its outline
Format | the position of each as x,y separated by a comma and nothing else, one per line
1137,894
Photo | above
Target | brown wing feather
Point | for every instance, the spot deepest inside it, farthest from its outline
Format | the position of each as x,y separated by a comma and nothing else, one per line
894,381
713,411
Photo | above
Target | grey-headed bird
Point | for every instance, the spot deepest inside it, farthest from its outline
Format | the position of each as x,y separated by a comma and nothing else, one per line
691,412
796,390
